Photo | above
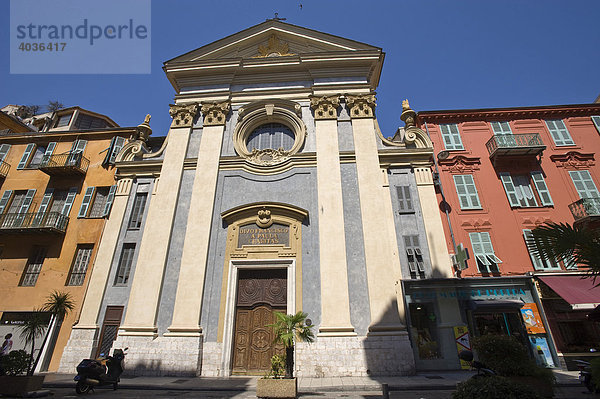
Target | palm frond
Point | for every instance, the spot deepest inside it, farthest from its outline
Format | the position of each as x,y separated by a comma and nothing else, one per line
34,326
59,303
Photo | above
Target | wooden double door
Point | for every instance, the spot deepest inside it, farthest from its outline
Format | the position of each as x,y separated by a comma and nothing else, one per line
260,293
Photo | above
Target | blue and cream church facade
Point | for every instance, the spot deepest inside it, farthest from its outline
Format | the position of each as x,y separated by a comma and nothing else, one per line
274,190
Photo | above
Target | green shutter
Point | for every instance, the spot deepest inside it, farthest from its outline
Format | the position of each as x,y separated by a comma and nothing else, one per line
69,201
596,120
4,148
542,188
109,201
584,184
27,201
116,148
467,192
559,132
501,128
538,264
50,149
78,146
510,190
451,137
85,203
41,212
4,200
26,156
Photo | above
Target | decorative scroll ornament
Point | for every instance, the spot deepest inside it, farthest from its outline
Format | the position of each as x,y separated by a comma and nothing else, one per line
183,115
275,48
263,218
408,117
143,130
460,164
325,107
268,156
361,106
215,114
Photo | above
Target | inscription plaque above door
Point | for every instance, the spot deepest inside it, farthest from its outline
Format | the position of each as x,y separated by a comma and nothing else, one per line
275,234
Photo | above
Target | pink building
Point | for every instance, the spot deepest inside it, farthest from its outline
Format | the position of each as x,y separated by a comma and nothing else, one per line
502,172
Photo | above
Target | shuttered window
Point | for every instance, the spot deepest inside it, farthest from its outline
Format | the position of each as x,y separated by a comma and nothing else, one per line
109,201
487,261
501,128
85,203
41,212
4,149
116,144
405,203
26,156
6,196
125,262
33,267
596,120
559,132
467,192
584,184
137,213
414,256
69,201
538,263
80,264
451,137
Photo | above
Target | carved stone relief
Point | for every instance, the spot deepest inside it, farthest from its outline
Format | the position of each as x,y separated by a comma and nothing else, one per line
215,114
183,115
361,106
325,107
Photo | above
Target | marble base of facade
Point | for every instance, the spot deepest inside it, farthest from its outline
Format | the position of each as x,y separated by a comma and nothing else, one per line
381,355
80,346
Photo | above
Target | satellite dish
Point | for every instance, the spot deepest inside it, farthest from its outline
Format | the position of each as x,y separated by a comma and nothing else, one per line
443,155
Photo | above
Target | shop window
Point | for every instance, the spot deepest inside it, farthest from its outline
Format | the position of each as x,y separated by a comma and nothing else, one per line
424,332
487,261
521,193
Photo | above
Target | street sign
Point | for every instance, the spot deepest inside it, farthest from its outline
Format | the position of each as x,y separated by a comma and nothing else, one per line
460,259
463,342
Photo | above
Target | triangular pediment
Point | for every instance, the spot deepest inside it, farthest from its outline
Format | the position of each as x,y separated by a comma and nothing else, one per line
272,39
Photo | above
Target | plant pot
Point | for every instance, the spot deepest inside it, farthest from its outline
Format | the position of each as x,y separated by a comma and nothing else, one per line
277,388
17,385
540,385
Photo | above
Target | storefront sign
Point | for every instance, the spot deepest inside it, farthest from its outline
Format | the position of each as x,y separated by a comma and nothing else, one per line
276,234
490,292
532,319
463,342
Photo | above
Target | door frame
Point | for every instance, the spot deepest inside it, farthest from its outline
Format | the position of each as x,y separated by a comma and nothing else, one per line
230,304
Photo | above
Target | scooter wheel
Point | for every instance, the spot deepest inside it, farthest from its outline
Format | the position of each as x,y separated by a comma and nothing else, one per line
115,386
82,388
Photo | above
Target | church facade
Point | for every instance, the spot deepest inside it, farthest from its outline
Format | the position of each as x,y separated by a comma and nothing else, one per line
274,190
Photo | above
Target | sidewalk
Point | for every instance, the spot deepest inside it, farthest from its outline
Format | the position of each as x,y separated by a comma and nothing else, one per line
442,380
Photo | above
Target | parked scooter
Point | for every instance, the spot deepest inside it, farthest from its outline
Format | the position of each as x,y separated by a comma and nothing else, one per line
482,369
102,371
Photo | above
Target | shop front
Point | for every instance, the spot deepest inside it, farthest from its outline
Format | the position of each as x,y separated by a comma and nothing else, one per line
568,300
444,315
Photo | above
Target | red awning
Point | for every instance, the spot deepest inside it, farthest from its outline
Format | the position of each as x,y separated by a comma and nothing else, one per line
579,292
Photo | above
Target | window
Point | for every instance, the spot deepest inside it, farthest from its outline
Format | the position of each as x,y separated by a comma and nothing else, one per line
538,263
414,257
63,120
41,155
16,204
520,192
595,119
125,263
487,261
582,180
61,200
501,128
559,132
451,137
467,192
84,122
33,267
137,213
80,264
116,144
404,199
97,202
271,136
4,149
26,156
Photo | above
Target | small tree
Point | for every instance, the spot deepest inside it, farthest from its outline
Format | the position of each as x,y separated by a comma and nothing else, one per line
54,106
289,328
32,328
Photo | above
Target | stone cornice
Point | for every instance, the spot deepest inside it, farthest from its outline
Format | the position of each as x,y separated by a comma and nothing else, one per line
183,115
361,106
574,160
325,107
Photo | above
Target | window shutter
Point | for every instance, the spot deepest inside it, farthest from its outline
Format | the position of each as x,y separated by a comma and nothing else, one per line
404,199
538,264
596,120
69,201
542,189
50,149
78,146
4,200
467,192
4,148
116,148
27,201
510,190
85,203
501,128
39,216
26,155
109,150
584,184
451,136
570,263
477,246
559,132
109,201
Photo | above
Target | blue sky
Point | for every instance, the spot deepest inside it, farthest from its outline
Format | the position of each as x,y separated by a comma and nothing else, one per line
439,54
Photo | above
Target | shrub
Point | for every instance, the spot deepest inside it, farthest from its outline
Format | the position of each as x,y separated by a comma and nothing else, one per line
16,362
277,366
504,354
595,365
493,388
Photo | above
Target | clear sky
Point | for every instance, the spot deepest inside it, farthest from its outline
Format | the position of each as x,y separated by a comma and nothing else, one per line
440,54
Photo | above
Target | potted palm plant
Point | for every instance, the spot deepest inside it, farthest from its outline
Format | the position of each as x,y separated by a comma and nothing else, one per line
287,329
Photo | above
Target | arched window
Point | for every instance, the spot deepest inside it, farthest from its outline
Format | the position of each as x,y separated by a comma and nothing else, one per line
271,136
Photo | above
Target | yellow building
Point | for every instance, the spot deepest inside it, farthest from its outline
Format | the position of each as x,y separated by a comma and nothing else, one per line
57,188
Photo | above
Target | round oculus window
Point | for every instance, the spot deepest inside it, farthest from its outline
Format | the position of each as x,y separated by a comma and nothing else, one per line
271,136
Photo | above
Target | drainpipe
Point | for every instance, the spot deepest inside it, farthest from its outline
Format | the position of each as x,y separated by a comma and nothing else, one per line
439,183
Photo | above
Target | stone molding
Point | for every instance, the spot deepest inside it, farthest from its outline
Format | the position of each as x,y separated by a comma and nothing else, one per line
325,107
274,48
460,164
573,160
183,115
215,114
361,106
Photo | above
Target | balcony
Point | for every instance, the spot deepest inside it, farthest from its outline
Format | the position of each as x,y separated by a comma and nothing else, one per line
49,222
4,168
515,144
71,163
586,210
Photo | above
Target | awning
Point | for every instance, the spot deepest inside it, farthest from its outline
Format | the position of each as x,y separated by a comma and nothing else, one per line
579,292
495,305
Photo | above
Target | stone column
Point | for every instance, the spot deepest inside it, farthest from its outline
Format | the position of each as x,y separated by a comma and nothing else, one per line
140,318
82,338
383,264
188,300
335,304
438,250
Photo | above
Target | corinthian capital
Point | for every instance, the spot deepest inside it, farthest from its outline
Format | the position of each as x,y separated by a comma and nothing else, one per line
215,114
361,106
183,115
325,107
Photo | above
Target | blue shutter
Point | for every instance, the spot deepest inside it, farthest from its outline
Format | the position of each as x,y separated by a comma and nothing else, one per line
85,203
4,200
109,201
27,201
26,156
542,189
69,201
511,191
39,216
4,148
116,148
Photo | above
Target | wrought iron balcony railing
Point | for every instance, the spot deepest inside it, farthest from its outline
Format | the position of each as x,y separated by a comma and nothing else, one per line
585,208
515,144
64,164
30,222
4,168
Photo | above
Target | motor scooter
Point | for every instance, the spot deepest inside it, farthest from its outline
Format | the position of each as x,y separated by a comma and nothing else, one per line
482,369
102,371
